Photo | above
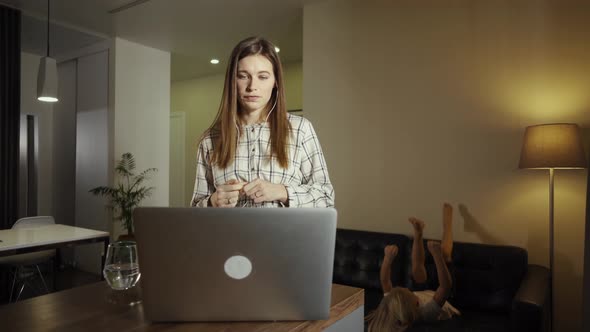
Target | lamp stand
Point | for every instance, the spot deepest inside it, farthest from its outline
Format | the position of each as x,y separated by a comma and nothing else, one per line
551,175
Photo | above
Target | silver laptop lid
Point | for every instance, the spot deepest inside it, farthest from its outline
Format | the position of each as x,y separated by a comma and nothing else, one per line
239,264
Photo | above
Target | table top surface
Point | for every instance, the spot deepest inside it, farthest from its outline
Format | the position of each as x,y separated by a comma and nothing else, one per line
11,239
96,307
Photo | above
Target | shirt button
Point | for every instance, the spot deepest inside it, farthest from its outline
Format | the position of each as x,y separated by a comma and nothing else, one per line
252,169
252,129
253,149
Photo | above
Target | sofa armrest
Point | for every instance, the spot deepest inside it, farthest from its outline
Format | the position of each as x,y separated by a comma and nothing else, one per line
531,307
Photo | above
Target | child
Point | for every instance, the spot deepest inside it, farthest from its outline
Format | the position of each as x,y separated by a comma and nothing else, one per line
401,307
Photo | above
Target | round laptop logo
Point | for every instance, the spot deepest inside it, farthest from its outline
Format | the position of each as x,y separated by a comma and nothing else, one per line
238,267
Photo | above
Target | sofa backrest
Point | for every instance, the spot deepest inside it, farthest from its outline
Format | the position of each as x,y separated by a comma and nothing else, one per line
486,276
359,254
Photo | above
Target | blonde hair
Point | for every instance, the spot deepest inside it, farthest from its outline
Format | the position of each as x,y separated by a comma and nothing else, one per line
396,312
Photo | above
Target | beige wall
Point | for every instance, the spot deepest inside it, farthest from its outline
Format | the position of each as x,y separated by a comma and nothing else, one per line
199,99
294,85
417,103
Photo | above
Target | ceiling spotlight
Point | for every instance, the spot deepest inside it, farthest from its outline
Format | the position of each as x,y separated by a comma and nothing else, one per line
214,61
277,49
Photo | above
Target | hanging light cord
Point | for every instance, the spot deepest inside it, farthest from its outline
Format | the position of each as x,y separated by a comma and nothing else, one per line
47,28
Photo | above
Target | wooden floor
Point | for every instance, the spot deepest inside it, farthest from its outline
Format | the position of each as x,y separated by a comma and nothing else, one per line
64,279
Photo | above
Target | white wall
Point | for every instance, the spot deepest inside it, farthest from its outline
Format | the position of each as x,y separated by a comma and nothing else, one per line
417,103
92,154
64,148
44,113
140,103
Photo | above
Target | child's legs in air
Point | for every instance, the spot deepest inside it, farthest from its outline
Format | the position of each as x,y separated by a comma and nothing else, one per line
418,270
446,244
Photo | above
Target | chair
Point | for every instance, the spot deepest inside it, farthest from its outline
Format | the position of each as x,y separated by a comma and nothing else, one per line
22,263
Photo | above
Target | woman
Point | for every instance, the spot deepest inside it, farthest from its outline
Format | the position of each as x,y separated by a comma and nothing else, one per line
255,153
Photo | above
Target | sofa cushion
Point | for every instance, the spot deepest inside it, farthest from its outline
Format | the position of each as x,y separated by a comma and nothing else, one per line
469,321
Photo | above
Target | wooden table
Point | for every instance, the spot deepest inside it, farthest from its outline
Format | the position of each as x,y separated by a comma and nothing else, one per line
98,308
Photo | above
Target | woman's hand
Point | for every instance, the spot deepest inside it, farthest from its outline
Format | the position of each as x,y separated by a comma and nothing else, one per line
264,191
227,195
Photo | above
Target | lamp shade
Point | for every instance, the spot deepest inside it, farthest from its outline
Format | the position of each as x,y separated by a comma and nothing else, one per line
47,80
557,145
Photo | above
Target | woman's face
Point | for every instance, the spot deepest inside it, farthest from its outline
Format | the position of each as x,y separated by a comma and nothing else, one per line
255,81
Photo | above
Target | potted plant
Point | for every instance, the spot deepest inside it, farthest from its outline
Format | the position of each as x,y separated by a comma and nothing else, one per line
128,193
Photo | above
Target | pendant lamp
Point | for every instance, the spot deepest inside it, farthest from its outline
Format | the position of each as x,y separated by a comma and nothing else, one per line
47,76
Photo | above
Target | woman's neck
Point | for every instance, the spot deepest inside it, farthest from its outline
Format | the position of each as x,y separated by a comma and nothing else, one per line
252,117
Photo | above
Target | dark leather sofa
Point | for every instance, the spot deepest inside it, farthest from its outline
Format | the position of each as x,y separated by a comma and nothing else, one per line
495,287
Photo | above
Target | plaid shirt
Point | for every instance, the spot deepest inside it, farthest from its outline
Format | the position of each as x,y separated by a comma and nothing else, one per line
306,178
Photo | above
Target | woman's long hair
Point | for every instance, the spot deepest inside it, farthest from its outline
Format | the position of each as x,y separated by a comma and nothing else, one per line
396,312
224,130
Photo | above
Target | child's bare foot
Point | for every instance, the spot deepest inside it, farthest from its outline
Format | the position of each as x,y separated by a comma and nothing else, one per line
417,224
391,251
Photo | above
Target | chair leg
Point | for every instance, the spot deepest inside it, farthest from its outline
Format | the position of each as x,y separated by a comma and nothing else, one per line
15,273
42,279
54,270
20,292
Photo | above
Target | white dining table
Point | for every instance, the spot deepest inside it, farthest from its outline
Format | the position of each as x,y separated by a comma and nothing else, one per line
23,240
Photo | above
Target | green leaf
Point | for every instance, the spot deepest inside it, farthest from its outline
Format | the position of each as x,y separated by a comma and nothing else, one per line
127,193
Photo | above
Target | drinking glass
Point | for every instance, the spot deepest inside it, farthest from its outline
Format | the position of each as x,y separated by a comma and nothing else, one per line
121,270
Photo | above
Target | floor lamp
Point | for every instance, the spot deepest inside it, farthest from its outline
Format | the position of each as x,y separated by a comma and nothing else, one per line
552,146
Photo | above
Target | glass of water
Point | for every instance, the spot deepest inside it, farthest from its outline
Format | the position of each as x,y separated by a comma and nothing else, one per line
121,269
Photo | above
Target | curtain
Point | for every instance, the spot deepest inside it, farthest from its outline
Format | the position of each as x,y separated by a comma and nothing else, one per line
586,283
10,25
10,21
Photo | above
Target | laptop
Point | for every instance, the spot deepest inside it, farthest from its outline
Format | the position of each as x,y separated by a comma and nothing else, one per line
239,264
